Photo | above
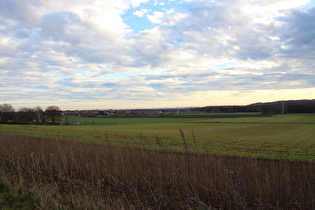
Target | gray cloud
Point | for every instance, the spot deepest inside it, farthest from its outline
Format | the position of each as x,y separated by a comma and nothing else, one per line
299,36
63,26
223,29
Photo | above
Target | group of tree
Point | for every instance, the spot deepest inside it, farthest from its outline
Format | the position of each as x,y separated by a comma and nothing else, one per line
286,107
25,115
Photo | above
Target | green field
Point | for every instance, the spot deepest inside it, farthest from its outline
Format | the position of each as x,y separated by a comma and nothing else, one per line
290,137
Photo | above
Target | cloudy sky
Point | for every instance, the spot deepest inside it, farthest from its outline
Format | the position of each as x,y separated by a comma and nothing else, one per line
100,54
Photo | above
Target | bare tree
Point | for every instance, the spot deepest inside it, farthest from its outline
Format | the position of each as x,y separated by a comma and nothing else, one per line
39,114
53,113
6,113
26,115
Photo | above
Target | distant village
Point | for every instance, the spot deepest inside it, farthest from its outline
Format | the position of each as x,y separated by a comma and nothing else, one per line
278,107
122,113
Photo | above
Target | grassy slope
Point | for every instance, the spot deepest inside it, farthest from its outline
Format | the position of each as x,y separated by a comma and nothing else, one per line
285,136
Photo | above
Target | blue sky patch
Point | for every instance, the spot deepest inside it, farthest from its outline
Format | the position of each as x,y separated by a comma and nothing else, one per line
137,18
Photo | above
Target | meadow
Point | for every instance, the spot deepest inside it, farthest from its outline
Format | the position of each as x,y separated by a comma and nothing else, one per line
153,163
290,137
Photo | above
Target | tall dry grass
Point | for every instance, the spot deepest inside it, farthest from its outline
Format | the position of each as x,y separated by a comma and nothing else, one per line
70,174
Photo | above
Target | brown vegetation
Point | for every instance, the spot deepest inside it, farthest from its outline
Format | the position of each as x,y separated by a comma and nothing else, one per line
70,174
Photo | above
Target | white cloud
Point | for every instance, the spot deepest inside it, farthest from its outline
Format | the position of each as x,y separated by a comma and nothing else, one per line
141,12
156,17
136,3
82,50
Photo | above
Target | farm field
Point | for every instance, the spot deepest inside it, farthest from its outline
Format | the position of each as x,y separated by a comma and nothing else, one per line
290,137
130,163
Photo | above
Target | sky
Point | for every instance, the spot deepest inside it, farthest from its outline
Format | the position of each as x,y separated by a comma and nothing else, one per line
125,54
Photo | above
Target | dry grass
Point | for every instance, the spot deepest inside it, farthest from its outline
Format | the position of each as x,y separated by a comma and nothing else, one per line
71,174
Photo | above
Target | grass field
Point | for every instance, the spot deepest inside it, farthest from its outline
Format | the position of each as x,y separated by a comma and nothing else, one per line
130,164
290,137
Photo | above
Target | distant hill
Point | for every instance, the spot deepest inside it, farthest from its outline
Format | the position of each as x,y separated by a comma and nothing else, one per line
276,107
286,102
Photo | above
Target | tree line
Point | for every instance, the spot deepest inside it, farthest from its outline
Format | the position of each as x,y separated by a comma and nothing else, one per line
277,107
25,115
